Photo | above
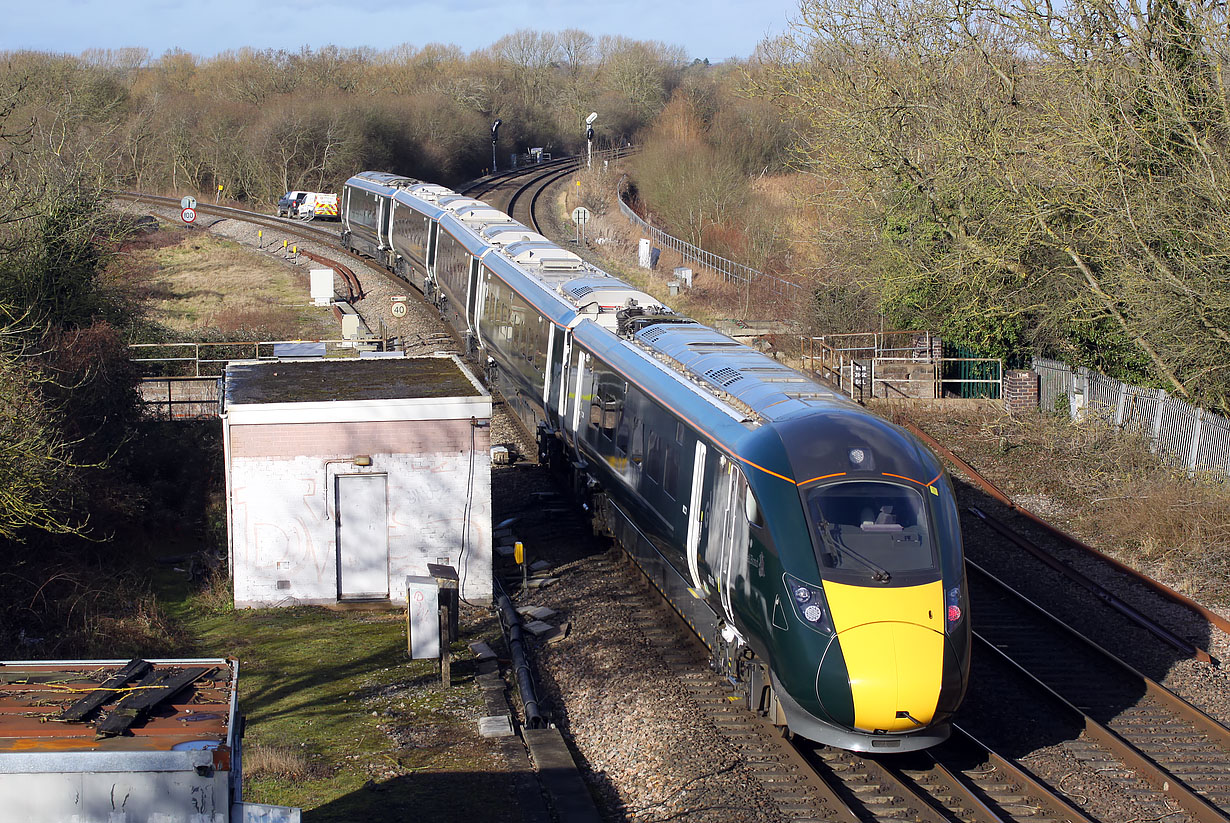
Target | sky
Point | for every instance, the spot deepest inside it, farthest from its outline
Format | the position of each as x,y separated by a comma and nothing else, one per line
716,30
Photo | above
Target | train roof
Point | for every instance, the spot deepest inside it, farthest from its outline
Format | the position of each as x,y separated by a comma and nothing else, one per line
502,234
746,383
770,389
722,421
375,180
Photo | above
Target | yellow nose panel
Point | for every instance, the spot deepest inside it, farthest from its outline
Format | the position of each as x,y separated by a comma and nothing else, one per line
893,643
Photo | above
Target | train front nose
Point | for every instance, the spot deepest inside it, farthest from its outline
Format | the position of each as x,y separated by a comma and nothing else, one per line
883,677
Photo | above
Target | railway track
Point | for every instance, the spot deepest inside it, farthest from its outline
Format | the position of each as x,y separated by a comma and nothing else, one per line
1134,579
287,226
1161,739
962,780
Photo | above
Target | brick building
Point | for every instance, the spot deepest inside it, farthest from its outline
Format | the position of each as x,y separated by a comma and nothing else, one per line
344,476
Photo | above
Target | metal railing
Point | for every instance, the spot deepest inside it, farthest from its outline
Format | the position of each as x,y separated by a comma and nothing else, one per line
905,364
729,270
207,359
181,398
1193,438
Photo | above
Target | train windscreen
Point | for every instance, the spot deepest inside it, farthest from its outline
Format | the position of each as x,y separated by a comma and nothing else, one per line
871,531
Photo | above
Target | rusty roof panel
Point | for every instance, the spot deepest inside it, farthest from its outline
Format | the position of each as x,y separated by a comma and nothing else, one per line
36,695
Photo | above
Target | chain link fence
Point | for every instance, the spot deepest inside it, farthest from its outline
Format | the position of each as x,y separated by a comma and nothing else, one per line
1195,439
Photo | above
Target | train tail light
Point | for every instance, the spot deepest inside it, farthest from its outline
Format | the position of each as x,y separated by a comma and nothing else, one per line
953,613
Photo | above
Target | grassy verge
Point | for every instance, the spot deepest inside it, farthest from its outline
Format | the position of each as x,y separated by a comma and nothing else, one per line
1105,487
189,281
339,721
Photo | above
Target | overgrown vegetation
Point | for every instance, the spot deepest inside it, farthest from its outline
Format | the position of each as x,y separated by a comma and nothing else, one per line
1029,179
259,123
1104,486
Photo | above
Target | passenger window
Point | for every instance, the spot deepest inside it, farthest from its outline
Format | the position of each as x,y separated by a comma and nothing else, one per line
654,461
638,444
671,477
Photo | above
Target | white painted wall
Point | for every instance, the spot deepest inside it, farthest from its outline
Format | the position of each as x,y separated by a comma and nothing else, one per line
283,529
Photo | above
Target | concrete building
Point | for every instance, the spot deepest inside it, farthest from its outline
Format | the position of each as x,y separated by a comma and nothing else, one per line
344,476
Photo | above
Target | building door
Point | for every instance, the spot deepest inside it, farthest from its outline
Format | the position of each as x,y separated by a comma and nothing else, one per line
362,536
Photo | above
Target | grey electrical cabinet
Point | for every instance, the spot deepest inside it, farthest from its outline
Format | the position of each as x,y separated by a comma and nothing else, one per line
423,617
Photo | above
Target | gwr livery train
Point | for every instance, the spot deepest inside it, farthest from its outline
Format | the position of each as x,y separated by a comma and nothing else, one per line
813,547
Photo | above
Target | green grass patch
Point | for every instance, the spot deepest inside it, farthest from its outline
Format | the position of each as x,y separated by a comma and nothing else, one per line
192,281
345,724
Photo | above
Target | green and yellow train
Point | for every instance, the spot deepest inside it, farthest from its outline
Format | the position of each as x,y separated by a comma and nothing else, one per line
813,546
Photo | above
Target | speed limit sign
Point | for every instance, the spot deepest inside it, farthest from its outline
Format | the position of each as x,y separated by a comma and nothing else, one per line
399,309
188,214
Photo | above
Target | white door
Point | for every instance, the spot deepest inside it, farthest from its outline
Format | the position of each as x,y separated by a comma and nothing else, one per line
695,517
362,536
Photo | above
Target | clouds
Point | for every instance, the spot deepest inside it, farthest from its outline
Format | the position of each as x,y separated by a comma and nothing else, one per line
714,30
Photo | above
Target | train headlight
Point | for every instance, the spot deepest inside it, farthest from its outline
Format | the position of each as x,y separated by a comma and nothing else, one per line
952,607
809,604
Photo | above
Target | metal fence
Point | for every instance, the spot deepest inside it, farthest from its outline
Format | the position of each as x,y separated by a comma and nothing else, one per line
181,398
903,364
1195,439
209,359
729,270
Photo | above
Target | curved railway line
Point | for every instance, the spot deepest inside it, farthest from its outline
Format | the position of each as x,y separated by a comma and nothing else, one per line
1155,746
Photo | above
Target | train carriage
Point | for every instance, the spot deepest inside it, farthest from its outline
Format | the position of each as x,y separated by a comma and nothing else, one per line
813,546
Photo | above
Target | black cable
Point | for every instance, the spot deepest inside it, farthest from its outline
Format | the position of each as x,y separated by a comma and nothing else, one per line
465,514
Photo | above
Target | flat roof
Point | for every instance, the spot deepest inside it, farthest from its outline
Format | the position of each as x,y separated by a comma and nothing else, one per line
64,707
314,381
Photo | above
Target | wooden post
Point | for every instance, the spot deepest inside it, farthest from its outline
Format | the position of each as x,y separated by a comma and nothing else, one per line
446,672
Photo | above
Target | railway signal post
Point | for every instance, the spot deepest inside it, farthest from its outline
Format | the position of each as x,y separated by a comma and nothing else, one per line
495,135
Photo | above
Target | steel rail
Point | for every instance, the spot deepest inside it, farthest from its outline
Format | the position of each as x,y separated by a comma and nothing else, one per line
782,766
990,488
849,785
1146,725
1097,589
537,194
293,228
1014,777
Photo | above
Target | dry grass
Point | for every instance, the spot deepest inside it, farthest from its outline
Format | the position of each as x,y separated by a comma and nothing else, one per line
202,282
216,594
283,762
1104,486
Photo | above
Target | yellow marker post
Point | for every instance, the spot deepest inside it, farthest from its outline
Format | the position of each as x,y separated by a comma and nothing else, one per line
519,556
260,244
